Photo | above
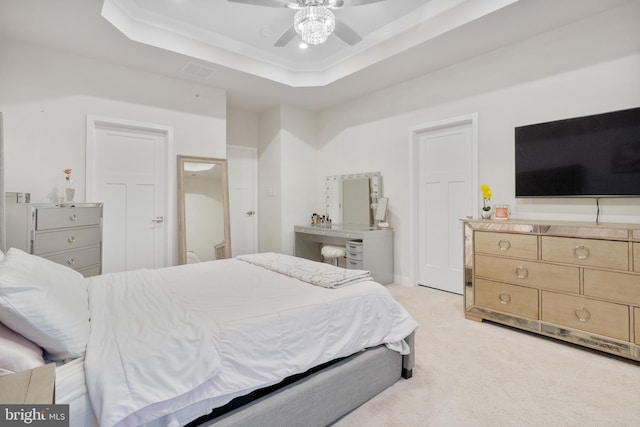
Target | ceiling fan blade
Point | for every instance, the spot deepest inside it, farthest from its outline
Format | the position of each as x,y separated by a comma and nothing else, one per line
362,2
286,37
268,3
346,33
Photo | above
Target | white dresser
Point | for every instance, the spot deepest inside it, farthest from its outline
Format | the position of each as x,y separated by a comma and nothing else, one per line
70,235
366,248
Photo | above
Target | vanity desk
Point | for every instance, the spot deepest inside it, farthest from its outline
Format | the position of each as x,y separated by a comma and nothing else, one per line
367,248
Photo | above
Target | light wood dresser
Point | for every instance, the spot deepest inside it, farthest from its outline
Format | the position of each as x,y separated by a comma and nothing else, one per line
70,235
578,282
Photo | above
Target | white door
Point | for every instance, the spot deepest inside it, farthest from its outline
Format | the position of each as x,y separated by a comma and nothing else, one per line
444,197
128,175
243,177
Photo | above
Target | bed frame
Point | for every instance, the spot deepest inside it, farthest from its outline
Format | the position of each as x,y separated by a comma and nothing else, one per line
319,397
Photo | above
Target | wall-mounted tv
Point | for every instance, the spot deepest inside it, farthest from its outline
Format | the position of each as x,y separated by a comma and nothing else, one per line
591,156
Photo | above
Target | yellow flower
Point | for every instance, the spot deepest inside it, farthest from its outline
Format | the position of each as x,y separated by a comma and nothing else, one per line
486,191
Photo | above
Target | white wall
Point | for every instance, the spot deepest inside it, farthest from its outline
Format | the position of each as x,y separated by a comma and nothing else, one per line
242,128
585,68
298,171
287,173
269,182
45,96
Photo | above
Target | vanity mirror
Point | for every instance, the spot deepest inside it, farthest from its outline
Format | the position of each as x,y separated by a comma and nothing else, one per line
351,200
203,209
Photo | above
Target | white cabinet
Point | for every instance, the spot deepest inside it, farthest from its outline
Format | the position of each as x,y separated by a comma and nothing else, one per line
70,235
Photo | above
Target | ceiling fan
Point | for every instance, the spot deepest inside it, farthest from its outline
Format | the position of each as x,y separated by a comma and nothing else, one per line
314,20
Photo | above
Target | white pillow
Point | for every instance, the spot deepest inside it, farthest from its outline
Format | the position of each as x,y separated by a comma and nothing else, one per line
1,255
46,303
17,353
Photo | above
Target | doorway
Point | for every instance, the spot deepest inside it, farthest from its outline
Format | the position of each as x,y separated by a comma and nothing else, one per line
444,174
243,199
127,171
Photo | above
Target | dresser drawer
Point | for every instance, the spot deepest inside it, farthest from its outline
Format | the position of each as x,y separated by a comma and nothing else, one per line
586,252
47,219
513,245
355,264
598,317
636,257
507,298
624,287
529,273
77,258
636,316
94,270
354,246
51,241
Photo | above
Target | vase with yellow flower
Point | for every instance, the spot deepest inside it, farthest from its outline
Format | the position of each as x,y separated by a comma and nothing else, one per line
70,188
486,201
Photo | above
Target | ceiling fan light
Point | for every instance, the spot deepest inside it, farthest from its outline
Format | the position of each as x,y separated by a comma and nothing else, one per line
314,24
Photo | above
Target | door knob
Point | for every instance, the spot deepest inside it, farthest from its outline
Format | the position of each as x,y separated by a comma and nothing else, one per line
250,213
158,219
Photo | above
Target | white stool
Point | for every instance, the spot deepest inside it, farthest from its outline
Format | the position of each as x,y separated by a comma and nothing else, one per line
332,253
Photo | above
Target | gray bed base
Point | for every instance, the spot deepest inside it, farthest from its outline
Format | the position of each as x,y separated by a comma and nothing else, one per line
323,397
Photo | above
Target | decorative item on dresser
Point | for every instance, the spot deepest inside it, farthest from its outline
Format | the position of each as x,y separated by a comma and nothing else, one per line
69,234
486,213
578,282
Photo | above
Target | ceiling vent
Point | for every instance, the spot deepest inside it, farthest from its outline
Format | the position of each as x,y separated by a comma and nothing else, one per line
198,71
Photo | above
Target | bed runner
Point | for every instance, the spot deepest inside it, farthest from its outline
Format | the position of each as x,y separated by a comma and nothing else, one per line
313,272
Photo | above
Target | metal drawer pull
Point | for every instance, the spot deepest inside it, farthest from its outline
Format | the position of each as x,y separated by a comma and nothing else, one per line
504,245
581,252
158,219
71,261
522,272
504,298
582,314
73,217
71,239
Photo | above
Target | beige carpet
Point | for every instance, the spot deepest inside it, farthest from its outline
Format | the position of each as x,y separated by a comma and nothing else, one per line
480,374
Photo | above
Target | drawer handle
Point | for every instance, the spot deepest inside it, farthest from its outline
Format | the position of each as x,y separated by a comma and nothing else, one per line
522,272
73,217
71,239
504,245
504,298
581,252
582,314
71,261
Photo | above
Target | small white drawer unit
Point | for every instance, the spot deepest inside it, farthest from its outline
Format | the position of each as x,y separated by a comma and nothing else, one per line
354,254
70,235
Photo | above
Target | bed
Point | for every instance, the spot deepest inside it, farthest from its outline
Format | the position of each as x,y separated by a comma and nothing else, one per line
181,345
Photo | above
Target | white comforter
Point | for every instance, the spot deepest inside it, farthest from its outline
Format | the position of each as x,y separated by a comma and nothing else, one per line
163,339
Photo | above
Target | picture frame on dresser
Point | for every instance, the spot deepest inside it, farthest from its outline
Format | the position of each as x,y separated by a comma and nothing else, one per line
573,281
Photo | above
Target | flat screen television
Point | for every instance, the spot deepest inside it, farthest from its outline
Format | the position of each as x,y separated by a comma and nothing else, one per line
591,156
